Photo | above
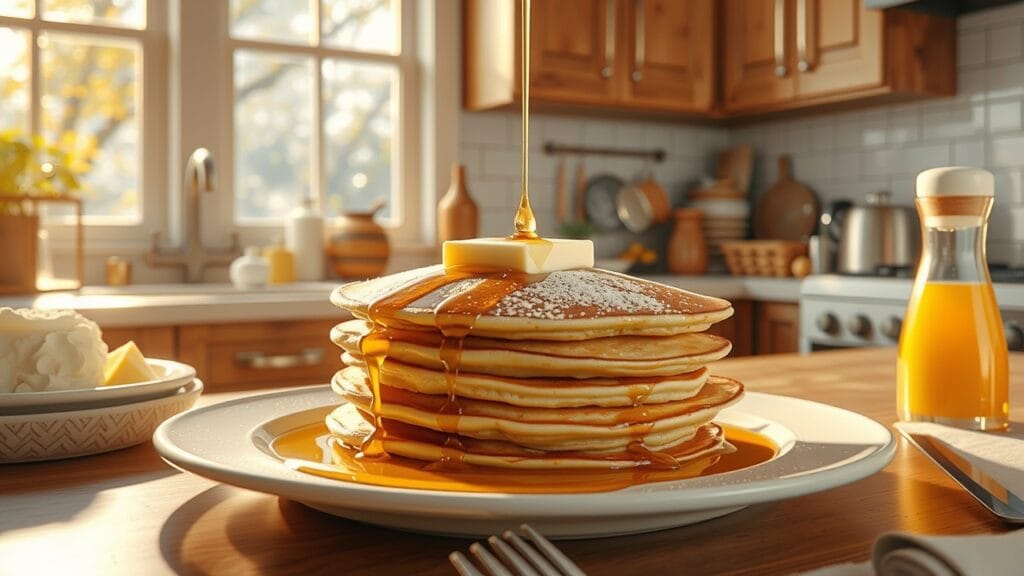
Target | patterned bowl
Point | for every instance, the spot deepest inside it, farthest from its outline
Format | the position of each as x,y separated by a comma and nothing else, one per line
56,435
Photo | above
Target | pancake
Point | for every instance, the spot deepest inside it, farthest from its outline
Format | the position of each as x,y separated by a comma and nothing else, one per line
530,392
576,305
658,426
351,428
613,356
579,368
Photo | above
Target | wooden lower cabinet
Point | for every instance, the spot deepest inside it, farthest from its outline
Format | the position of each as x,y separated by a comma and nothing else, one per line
778,328
154,341
254,354
738,328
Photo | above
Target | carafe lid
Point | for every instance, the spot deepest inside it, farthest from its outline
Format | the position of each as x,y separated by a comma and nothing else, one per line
955,181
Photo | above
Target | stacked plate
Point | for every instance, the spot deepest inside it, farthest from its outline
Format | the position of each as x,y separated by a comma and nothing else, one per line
36,426
726,217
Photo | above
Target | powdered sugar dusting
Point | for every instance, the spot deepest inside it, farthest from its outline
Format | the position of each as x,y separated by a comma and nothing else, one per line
580,294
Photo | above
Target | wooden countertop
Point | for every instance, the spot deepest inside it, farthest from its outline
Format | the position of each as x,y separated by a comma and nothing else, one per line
127,512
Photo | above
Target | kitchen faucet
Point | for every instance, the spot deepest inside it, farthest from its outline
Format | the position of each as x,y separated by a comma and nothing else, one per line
192,257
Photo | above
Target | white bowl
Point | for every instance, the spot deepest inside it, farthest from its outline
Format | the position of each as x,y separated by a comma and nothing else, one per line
723,208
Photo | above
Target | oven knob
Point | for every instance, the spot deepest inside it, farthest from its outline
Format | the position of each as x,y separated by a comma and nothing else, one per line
859,325
891,327
1014,337
828,323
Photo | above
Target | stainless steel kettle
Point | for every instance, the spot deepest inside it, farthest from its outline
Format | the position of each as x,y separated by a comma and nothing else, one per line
876,236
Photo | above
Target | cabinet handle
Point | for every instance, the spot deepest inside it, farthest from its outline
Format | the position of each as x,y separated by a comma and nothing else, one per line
260,361
780,38
609,39
801,36
641,40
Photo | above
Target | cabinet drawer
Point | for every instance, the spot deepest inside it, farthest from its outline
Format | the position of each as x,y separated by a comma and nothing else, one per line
309,361
261,353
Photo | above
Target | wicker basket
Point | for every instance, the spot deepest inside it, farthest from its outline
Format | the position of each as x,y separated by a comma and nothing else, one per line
762,257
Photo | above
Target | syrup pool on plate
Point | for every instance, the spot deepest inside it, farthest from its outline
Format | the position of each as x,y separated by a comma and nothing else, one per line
312,450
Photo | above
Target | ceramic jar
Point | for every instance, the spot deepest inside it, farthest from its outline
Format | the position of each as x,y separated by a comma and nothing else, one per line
250,270
687,251
359,247
457,213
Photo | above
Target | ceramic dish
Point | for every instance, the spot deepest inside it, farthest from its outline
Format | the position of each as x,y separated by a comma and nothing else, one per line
821,447
55,435
171,376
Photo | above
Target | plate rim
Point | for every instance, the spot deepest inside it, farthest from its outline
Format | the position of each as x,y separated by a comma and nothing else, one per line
194,386
183,374
669,498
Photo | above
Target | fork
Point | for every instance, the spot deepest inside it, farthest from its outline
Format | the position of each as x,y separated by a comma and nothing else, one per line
517,557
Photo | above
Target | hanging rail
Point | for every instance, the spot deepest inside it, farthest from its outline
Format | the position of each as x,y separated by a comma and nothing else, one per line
656,154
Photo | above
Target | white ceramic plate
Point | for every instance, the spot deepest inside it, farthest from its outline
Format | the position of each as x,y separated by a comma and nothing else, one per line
55,435
821,447
170,376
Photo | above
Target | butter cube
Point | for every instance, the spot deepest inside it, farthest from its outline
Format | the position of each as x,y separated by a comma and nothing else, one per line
127,365
529,256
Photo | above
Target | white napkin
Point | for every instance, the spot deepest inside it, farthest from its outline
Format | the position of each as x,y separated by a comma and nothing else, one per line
1000,455
898,554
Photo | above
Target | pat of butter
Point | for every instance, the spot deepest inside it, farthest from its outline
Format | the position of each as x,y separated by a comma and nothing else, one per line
530,256
127,365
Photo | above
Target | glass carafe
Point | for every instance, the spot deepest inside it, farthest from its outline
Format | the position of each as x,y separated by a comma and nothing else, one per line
952,366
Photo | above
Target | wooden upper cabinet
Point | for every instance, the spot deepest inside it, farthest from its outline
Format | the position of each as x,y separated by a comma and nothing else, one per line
572,51
669,49
758,53
648,55
831,51
839,46
716,58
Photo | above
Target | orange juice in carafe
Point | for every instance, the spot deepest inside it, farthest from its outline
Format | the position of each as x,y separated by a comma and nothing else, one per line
952,357
952,365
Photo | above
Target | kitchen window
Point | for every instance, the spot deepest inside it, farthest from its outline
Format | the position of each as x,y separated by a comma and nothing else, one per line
73,79
295,98
318,91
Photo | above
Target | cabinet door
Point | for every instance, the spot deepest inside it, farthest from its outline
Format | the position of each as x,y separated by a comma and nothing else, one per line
573,57
738,328
153,341
669,48
778,328
758,53
838,45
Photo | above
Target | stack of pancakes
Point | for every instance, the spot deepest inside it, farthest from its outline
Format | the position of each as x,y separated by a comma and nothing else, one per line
579,368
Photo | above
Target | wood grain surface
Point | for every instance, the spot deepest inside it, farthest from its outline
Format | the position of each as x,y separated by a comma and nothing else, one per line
129,513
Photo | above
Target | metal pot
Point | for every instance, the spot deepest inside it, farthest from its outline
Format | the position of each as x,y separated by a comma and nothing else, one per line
876,236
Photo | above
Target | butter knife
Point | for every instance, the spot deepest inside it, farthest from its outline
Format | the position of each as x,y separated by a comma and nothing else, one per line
990,492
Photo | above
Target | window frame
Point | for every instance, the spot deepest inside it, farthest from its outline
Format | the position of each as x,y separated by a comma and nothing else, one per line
101,234
404,226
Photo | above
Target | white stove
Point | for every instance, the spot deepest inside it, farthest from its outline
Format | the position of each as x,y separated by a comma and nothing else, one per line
855,311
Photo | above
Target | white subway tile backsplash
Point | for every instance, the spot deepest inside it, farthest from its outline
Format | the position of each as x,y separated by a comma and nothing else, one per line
953,121
971,48
1007,151
919,158
1004,42
1004,116
476,128
1005,80
501,163
969,152
882,162
846,164
904,125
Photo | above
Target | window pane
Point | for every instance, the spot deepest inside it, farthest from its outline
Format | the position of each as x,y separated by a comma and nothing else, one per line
16,8
90,111
365,25
273,133
14,61
281,20
360,123
121,13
